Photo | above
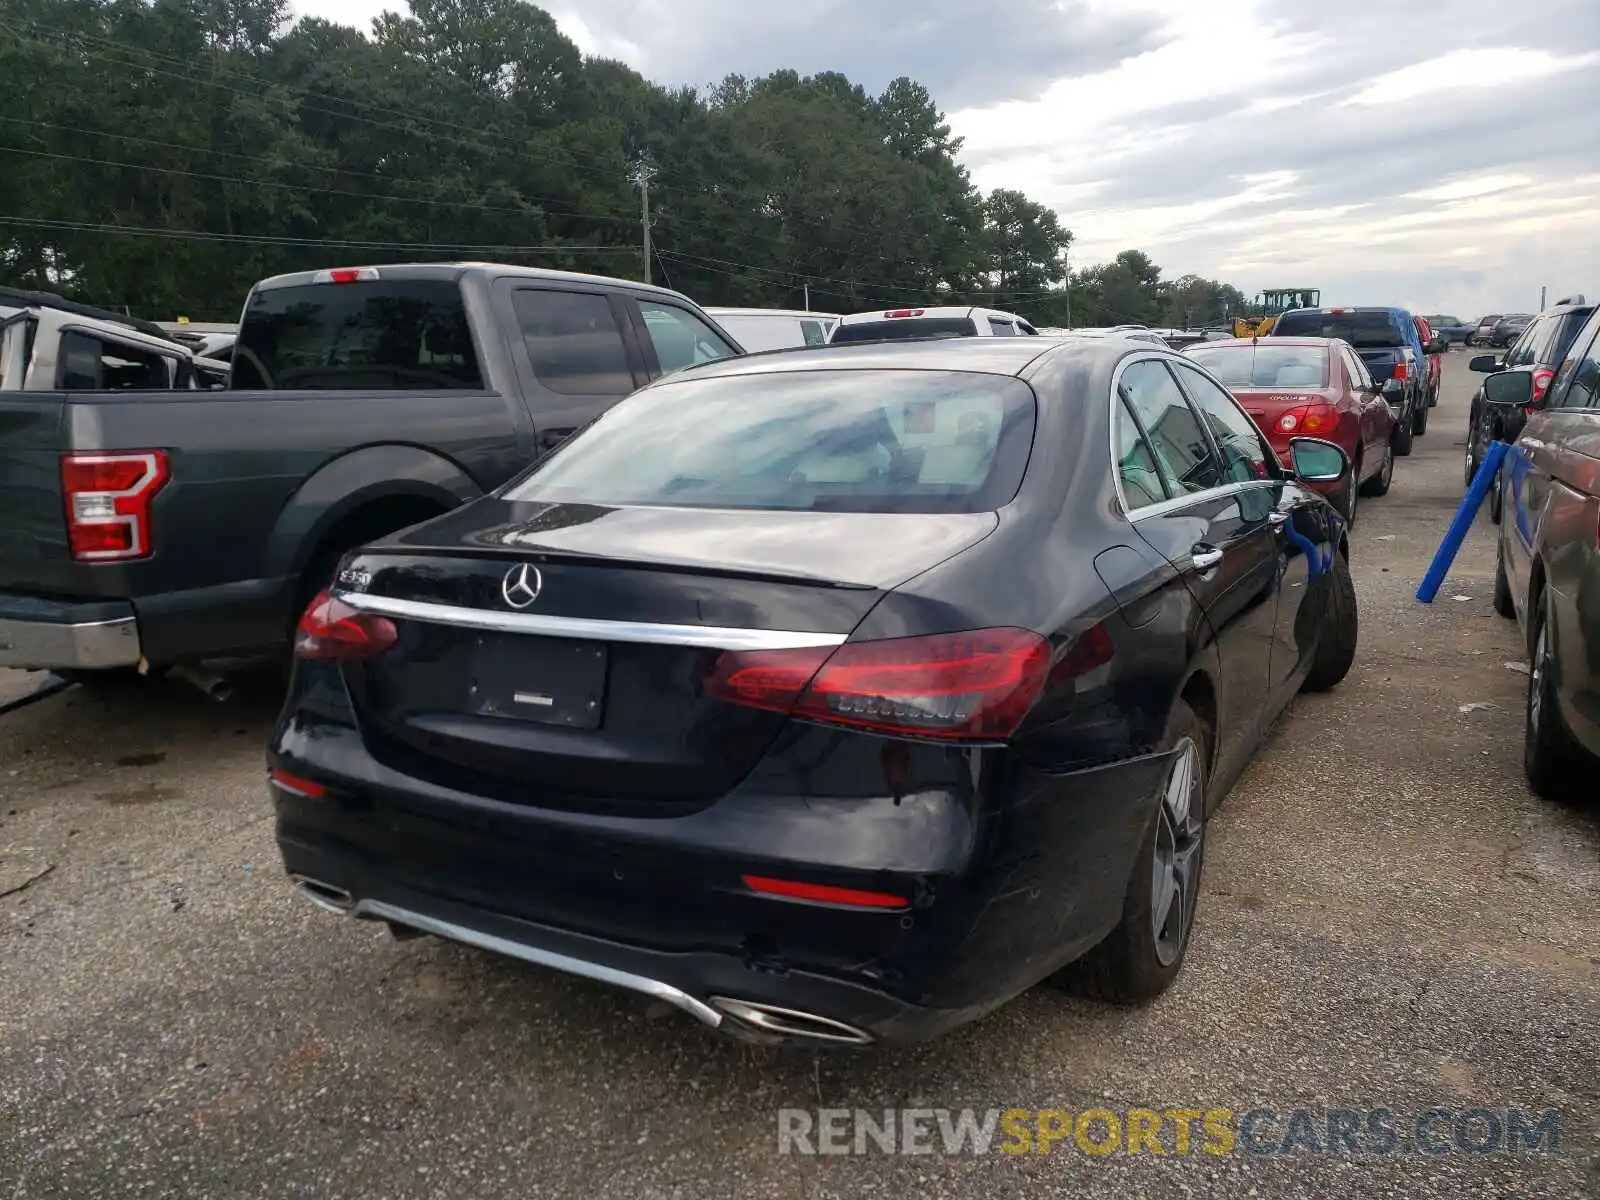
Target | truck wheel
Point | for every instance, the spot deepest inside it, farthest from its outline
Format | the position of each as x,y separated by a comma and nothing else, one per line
1419,422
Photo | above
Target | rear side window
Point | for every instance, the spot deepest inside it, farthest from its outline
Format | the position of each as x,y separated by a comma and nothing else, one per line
813,333
573,342
1264,365
823,441
372,335
1530,346
1372,329
1564,330
905,329
90,364
1182,452
1002,328
1577,383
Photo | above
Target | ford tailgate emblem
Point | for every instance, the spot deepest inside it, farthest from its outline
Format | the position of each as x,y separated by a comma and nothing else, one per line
521,585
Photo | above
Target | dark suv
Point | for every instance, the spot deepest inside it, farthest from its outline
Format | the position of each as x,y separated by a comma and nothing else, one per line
1538,351
1509,328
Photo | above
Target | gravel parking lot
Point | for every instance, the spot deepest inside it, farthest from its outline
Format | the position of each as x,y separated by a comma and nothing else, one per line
1389,920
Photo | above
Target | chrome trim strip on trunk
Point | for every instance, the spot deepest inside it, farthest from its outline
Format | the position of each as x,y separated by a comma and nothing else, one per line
710,637
377,910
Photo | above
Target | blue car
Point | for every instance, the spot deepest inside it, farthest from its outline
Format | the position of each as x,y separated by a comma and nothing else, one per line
1454,330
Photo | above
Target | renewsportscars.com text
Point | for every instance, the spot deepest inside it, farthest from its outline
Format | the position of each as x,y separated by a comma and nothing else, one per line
1169,1131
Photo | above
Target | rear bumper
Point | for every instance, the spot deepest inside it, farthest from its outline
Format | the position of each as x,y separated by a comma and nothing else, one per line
1007,882
60,635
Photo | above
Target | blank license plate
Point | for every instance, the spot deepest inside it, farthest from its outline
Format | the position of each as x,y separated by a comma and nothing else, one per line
550,681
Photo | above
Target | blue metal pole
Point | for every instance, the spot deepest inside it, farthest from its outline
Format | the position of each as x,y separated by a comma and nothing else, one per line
1465,514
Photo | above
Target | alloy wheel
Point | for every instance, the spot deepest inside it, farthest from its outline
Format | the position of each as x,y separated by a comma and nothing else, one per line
1175,866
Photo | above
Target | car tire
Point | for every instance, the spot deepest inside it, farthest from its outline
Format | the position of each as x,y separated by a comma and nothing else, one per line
1504,603
1551,758
1433,396
1497,497
1136,961
1336,646
1472,462
1419,420
1349,502
1401,438
1378,485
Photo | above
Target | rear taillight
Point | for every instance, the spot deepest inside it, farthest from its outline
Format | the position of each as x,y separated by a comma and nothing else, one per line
1310,419
297,784
332,630
1541,382
973,686
1401,370
108,500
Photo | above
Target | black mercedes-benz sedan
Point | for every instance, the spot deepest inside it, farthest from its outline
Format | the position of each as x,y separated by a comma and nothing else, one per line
833,695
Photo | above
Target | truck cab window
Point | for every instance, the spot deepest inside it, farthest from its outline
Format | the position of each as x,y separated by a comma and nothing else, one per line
573,341
680,338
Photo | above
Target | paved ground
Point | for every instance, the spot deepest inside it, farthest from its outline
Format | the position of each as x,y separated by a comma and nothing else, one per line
1390,920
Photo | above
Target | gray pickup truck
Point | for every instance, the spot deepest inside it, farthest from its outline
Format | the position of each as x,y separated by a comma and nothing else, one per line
159,529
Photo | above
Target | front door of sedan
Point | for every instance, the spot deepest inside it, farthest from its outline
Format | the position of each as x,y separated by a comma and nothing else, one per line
1215,527
1375,419
1294,517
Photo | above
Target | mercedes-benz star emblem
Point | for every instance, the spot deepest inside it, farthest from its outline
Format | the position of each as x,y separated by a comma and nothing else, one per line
521,585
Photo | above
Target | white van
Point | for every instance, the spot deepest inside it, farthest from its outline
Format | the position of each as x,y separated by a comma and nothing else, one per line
895,324
774,328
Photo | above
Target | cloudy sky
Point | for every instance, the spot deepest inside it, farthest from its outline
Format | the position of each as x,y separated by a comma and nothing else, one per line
1440,154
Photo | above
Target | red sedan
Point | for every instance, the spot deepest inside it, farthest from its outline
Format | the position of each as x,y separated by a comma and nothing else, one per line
1435,360
1310,387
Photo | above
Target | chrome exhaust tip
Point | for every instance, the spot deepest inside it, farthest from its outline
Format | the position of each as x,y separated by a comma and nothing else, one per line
324,895
791,1023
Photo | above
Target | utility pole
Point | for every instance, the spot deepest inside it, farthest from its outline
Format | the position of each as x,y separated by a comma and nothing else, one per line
1066,262
1541,298
641,175
807,286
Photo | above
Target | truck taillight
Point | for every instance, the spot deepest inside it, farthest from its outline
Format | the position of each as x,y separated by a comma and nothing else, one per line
108,498
1401,369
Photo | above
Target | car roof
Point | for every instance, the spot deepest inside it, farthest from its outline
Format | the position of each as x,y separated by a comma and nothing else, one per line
453,271
725,311
1293,340
983,355
923,312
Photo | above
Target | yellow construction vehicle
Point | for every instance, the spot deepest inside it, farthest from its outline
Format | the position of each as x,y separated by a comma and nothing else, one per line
1258,318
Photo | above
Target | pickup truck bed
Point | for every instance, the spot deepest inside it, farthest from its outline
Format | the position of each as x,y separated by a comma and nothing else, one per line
253,494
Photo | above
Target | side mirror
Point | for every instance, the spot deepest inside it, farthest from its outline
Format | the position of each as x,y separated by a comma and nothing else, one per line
1437,345
1486,364
1317,461
1509,389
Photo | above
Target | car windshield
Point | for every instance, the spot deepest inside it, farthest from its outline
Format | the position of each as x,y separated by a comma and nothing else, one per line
1372,329
1265,365
842,441
904,329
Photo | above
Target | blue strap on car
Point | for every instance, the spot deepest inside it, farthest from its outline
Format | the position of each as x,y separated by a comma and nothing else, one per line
1466,513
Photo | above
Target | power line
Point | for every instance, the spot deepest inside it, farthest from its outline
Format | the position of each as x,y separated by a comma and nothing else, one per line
342,243
307,187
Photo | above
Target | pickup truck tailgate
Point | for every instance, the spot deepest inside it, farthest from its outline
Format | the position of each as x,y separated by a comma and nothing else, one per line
33,527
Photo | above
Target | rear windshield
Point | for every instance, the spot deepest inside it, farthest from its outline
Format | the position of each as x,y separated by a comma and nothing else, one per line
1365,330
905,329
372,334
1265,365
824,441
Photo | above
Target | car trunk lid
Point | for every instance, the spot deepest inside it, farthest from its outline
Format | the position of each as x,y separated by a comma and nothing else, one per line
554,654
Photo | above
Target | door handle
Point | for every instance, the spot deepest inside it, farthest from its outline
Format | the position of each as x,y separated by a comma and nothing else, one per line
1278,519
1204,557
